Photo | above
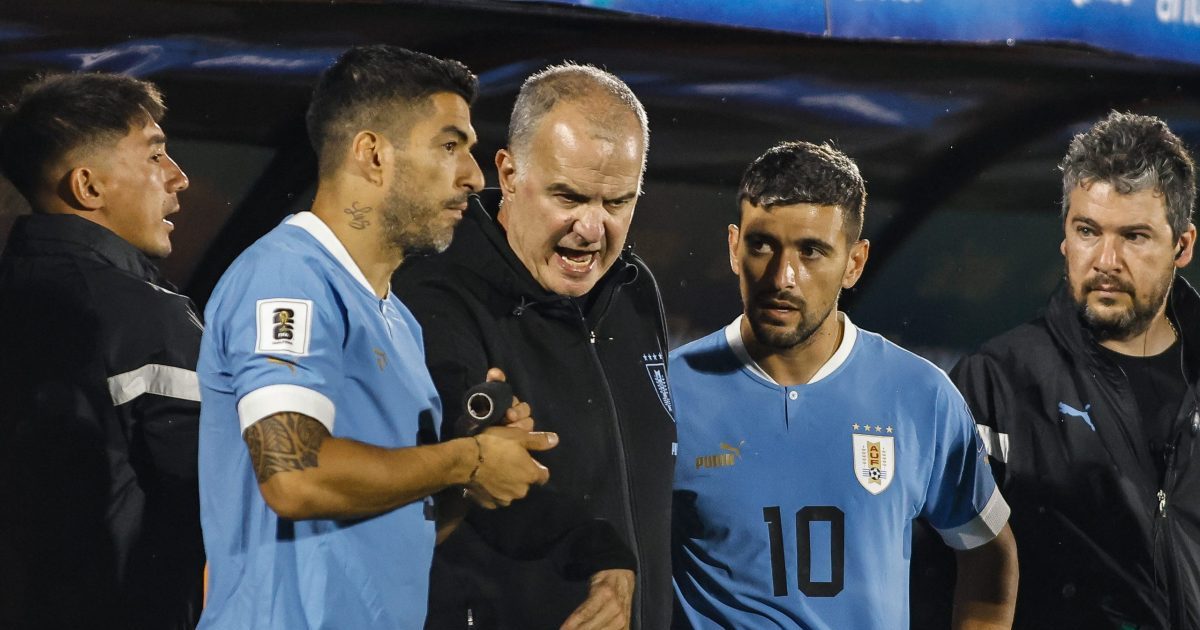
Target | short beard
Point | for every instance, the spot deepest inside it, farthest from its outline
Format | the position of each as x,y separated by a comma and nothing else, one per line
1128,324
412,228
787,339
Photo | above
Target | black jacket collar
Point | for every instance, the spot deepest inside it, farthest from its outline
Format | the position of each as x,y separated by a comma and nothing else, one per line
482,230
1062,317
65,234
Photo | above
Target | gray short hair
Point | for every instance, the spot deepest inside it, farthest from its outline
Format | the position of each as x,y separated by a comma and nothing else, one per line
606,98
1133,153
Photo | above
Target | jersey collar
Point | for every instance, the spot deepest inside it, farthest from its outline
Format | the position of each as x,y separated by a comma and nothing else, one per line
313,224
733,336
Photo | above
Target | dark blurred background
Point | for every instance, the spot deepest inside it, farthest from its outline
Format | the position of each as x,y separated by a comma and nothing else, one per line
958,140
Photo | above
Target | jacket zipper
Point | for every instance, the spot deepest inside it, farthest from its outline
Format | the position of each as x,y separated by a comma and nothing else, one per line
626,492
1176,607
1163,529
1160,529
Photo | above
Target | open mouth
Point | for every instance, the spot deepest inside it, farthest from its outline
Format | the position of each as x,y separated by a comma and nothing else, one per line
575,261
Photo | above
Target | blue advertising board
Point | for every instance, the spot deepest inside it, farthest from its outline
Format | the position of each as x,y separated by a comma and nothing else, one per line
1162,29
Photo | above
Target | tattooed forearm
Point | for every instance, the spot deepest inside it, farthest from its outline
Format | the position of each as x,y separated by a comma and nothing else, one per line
283,442
358,216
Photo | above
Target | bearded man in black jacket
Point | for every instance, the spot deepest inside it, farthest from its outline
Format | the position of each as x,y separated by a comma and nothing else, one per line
539,282
1090,411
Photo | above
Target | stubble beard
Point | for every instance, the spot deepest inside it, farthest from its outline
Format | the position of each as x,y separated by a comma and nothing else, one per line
1128,323
412,228
777,339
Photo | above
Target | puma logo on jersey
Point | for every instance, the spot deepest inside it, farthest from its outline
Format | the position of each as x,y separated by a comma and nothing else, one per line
721,460
1068,410
380,359
737,450
287,364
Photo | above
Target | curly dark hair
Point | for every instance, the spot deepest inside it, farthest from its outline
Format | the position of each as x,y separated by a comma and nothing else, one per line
1133,153
803,172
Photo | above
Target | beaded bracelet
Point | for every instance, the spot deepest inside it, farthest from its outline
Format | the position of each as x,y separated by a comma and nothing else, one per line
479,449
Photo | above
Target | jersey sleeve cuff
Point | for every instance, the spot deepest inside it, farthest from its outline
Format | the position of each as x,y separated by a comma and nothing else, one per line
981,529
273,399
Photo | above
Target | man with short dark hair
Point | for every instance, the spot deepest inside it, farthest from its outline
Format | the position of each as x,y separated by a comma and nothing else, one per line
316,454
1089,411
807,446
540,283
99,401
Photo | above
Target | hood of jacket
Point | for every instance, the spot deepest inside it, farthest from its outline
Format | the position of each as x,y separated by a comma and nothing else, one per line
1067,328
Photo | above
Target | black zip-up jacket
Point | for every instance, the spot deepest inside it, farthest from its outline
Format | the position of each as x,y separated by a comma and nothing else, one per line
1099,546
99,411
594,375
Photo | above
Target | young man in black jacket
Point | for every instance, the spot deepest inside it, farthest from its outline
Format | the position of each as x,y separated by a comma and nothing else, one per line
1090,411
99,402
538,282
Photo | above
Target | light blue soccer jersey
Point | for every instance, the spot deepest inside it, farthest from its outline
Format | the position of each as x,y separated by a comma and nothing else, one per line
294,326
793,506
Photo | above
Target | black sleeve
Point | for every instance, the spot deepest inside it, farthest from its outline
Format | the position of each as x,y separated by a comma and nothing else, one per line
166,561
61,459
986,390
544,523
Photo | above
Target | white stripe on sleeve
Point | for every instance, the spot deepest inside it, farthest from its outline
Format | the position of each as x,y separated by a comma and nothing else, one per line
153,378
273,399
995,442
981,529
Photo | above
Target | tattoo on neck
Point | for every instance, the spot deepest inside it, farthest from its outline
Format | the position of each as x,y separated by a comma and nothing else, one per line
358,216
283,442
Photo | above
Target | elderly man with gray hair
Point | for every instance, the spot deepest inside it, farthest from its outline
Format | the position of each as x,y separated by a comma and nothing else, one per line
540,283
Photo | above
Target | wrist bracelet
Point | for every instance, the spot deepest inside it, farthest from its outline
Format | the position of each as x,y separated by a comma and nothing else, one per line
479,462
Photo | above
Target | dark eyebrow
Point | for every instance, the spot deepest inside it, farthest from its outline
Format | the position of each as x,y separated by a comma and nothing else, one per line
157,138
1123,228
456,131
815,243
758,234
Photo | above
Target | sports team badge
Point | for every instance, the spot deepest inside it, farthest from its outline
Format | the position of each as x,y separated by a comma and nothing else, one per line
874,461
656,369
283,326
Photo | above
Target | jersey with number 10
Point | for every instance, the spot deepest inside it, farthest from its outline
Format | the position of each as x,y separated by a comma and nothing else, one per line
793,506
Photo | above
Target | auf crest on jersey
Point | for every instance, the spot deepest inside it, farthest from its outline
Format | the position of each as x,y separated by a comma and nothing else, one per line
874,459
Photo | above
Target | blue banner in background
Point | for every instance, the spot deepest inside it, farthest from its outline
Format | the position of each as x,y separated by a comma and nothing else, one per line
793,16
1162,29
